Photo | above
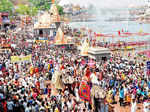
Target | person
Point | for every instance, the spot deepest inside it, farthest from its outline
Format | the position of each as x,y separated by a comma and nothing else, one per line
10,105
121,95
146,106
133,105
119,33
114,94
76,90
128,98
94,79
138,94
27,109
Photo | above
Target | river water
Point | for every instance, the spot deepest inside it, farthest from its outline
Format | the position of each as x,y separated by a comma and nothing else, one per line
112,27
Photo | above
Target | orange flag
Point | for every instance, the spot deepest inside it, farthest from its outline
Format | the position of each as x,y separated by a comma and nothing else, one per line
53,1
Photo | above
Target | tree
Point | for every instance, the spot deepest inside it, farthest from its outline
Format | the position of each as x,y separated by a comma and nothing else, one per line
6,6
33,11
45,5
25,9
60,9
22,9
41,4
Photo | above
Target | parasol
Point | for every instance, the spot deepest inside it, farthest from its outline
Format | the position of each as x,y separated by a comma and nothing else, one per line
57,81
68,79
98,92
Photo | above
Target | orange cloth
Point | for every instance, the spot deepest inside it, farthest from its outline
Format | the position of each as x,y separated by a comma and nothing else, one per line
100,75
48,67
88,73
36,70
62,67
75,72
128,98
53,1
37,84
31,70
16,83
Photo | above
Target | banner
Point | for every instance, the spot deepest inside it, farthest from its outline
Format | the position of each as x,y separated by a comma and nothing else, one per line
5,45
27,58
15,59
41,41
129,47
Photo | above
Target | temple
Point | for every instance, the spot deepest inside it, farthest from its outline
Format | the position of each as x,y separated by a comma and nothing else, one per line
47,24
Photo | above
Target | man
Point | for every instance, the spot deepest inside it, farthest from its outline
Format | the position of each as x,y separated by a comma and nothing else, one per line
94,78
133,106
10,105
121,95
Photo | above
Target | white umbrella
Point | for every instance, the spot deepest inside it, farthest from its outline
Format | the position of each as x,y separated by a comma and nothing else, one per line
98,92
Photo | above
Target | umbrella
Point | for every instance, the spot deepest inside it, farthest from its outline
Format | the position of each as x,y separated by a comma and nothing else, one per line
98,92
67,79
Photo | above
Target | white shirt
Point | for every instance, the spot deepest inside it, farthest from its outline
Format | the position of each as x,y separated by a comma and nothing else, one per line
69,104
133,107
27,109
94,78
77,94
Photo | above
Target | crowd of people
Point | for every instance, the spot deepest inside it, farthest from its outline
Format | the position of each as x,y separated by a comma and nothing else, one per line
51,81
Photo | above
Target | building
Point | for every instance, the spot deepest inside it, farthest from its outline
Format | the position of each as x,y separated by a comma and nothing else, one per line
47,23
99,53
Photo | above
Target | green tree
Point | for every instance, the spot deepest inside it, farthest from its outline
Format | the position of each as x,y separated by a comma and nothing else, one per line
45,5
25,9
6,6
33,11
22,9
41,4
60,9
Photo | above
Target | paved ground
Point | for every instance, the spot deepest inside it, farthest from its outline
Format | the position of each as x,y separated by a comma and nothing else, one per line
127,108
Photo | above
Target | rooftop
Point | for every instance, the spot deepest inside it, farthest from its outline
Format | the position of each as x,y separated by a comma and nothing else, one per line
98,50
